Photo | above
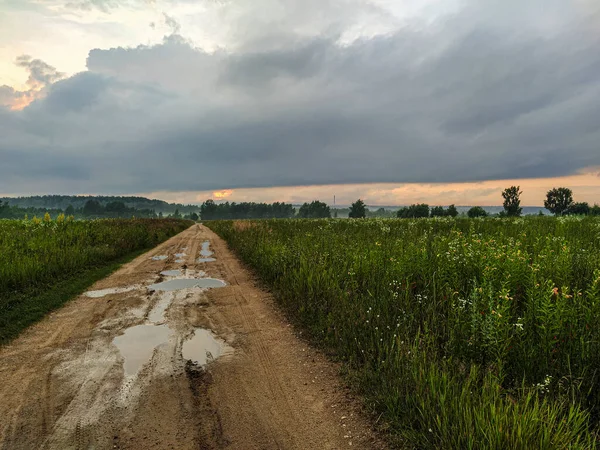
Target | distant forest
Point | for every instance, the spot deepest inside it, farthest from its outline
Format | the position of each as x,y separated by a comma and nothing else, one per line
90,207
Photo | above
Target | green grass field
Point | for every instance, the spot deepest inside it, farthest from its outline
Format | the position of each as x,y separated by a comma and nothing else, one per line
43,264
460,333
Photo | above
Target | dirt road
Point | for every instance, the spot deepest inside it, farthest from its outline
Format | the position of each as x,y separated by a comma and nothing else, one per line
140,365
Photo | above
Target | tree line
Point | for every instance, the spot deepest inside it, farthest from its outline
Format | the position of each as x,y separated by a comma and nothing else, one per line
559,201
91,209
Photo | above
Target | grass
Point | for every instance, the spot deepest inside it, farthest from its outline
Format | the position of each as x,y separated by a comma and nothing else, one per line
45,264
460,333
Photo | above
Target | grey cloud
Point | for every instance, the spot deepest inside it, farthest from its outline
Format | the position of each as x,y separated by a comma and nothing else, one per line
465,99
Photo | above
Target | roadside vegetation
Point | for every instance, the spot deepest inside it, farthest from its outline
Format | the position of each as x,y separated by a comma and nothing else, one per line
45,262
460,333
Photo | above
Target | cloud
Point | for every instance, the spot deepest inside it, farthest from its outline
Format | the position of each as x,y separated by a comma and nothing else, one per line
479,94
41,75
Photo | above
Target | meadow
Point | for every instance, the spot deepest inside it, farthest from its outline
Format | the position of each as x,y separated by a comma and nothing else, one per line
46,262
459,333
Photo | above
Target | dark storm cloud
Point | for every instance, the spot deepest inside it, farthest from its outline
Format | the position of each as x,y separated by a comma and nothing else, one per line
471,98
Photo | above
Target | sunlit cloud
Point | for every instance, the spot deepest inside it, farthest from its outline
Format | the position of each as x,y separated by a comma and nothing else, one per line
220,195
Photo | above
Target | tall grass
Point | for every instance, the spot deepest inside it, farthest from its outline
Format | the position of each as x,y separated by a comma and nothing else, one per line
462,333
36,256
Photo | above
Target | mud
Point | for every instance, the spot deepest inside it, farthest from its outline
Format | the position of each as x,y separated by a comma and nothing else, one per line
174,369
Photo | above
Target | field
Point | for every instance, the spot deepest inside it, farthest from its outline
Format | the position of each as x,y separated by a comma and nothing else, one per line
46,262
459,333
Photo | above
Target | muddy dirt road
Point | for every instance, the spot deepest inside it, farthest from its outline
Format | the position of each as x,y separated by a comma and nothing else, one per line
194,357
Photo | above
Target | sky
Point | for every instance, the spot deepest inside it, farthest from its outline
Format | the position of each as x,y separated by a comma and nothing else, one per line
391,101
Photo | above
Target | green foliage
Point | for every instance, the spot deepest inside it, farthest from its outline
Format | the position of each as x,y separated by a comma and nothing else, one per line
579,209
358,210
512,201
452,211
595,210
314,210
460,333
559,200
413,211
38,254
210,210
439,211
476,211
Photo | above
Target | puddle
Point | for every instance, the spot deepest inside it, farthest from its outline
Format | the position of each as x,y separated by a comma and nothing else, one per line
171,273
103,292
159,257
186,283
157,315
180,261
203,347
137,345
205,260
205,251
180,255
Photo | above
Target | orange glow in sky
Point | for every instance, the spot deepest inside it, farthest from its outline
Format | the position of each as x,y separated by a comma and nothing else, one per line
220,195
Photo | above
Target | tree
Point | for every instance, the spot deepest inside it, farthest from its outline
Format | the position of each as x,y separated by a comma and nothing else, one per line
314,210
70,211
595,210
559,200
476,211
438,211
579,209
358,210
512,201
452,211
176,214
413,211
194,216
92,208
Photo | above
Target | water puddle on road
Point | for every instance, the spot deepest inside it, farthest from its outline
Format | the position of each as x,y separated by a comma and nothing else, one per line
205,249
186,283
109,291
203,347
205,260
159,257
180,255
205,254
180,261
137,345
157,314
171,273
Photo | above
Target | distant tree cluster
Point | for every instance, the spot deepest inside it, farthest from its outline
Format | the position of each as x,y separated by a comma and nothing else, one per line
559,201
422,210
210,210
476,211
358,210
314,210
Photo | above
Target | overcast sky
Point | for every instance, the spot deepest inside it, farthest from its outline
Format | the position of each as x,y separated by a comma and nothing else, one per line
393,101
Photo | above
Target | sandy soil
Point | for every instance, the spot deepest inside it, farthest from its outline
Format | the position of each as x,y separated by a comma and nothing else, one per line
66,384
